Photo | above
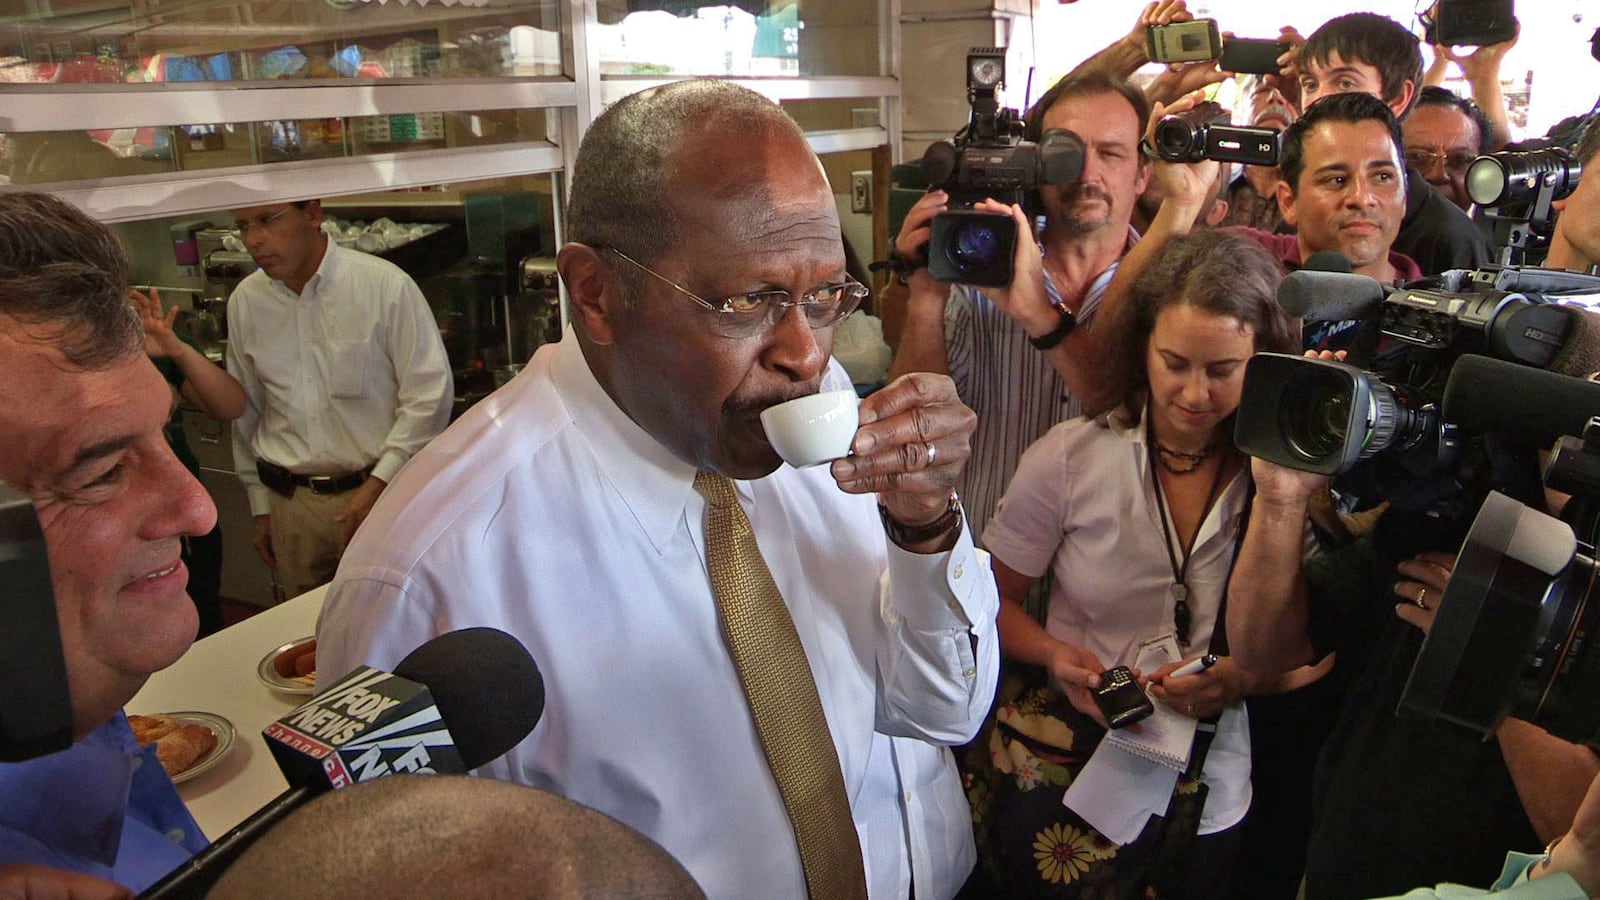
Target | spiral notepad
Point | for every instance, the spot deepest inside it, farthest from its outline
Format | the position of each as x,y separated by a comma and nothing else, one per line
1165,737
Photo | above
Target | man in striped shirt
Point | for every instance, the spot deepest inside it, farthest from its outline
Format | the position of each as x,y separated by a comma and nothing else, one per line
1012,361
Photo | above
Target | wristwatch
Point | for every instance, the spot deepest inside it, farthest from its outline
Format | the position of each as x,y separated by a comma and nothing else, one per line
911,535
1062,329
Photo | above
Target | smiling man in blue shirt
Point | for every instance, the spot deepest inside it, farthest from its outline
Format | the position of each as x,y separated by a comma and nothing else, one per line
81,435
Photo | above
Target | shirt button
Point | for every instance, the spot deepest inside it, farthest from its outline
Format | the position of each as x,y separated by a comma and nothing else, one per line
969,672
954,605
176,835
137,762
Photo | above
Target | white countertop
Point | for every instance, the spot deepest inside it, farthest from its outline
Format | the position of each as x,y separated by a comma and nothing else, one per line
218,675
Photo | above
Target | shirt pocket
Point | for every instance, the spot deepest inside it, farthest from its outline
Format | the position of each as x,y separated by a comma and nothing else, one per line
349,365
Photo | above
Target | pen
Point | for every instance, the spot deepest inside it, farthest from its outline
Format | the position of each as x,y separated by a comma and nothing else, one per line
1193,666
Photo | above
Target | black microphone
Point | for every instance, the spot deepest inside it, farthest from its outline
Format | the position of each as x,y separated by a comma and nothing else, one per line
1318,296
457,702
1486,394
1327,261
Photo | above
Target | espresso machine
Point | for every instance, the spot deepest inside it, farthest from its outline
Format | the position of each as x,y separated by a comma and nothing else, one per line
222,269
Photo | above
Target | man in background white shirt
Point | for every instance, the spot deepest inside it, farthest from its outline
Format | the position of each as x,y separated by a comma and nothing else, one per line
347,379
565,510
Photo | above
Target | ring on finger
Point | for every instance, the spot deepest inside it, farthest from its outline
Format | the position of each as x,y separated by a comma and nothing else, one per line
933,454
1422,599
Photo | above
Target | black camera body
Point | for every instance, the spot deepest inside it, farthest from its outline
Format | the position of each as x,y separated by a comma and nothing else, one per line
1327,417
989,158
1470,23
1205,132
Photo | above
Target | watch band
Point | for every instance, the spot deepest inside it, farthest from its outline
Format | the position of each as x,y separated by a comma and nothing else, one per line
911,535
1062,329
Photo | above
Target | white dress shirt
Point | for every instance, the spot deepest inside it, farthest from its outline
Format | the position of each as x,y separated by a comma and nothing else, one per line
1082,505
348,373
1015,390
548,513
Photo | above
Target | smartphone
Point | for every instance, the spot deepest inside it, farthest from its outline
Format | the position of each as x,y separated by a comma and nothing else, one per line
1251,56
1183,41
1120,698
1473,23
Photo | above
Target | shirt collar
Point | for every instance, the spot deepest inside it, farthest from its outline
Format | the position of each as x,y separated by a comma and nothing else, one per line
84,822
655,485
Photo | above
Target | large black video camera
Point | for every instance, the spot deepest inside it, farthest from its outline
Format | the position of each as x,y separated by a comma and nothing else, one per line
1327,417
989,158
1514,632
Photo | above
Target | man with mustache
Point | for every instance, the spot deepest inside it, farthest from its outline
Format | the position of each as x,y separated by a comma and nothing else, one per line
1368,53
1016,367
619,508
1343,187
346,377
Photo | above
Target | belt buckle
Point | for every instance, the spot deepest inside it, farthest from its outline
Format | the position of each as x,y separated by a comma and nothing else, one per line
323,484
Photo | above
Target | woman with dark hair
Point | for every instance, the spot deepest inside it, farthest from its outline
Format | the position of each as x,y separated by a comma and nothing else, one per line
1135,510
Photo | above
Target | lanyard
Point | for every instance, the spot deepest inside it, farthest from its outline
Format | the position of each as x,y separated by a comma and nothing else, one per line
1181,616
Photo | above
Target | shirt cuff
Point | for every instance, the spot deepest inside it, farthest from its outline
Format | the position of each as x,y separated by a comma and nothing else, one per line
934,591
260,499
387,465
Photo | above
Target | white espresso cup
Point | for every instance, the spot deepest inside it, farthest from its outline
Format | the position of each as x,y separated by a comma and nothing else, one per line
811,430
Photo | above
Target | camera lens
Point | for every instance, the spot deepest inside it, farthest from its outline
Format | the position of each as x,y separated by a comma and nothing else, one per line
1175,139
976,246
1316,414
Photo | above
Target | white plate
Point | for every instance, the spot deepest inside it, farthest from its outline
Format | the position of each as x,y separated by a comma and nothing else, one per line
218,726
269,675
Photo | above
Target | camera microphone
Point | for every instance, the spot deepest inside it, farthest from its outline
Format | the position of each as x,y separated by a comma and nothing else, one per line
1316,296
1546,405
456,703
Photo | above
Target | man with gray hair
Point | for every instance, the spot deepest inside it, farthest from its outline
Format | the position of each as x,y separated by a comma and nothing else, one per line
757,666
82,421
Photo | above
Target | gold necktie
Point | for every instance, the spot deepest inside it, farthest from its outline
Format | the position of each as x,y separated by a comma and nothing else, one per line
783,697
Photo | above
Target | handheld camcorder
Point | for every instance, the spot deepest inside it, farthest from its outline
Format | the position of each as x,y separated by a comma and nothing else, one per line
989,158
1326,417
1470,23
1514,190
1205,132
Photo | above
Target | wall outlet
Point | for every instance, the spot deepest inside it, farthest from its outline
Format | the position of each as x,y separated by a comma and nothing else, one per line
861,192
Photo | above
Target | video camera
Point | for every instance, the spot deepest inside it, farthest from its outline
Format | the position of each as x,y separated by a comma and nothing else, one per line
1514,190
1327,417
989,158
1207,132
1514,632
1467,23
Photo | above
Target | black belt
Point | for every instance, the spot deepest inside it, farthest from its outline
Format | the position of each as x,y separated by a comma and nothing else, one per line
283,482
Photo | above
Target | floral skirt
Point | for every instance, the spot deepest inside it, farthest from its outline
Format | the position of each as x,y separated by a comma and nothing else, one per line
1031,845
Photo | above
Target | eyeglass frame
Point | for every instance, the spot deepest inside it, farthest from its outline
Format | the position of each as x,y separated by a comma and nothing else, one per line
855,293
240,229
1436,158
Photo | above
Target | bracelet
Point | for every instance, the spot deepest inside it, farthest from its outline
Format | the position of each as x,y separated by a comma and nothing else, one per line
911,535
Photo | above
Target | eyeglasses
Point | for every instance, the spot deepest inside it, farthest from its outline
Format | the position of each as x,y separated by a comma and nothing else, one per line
1423,160
242,227
754,313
